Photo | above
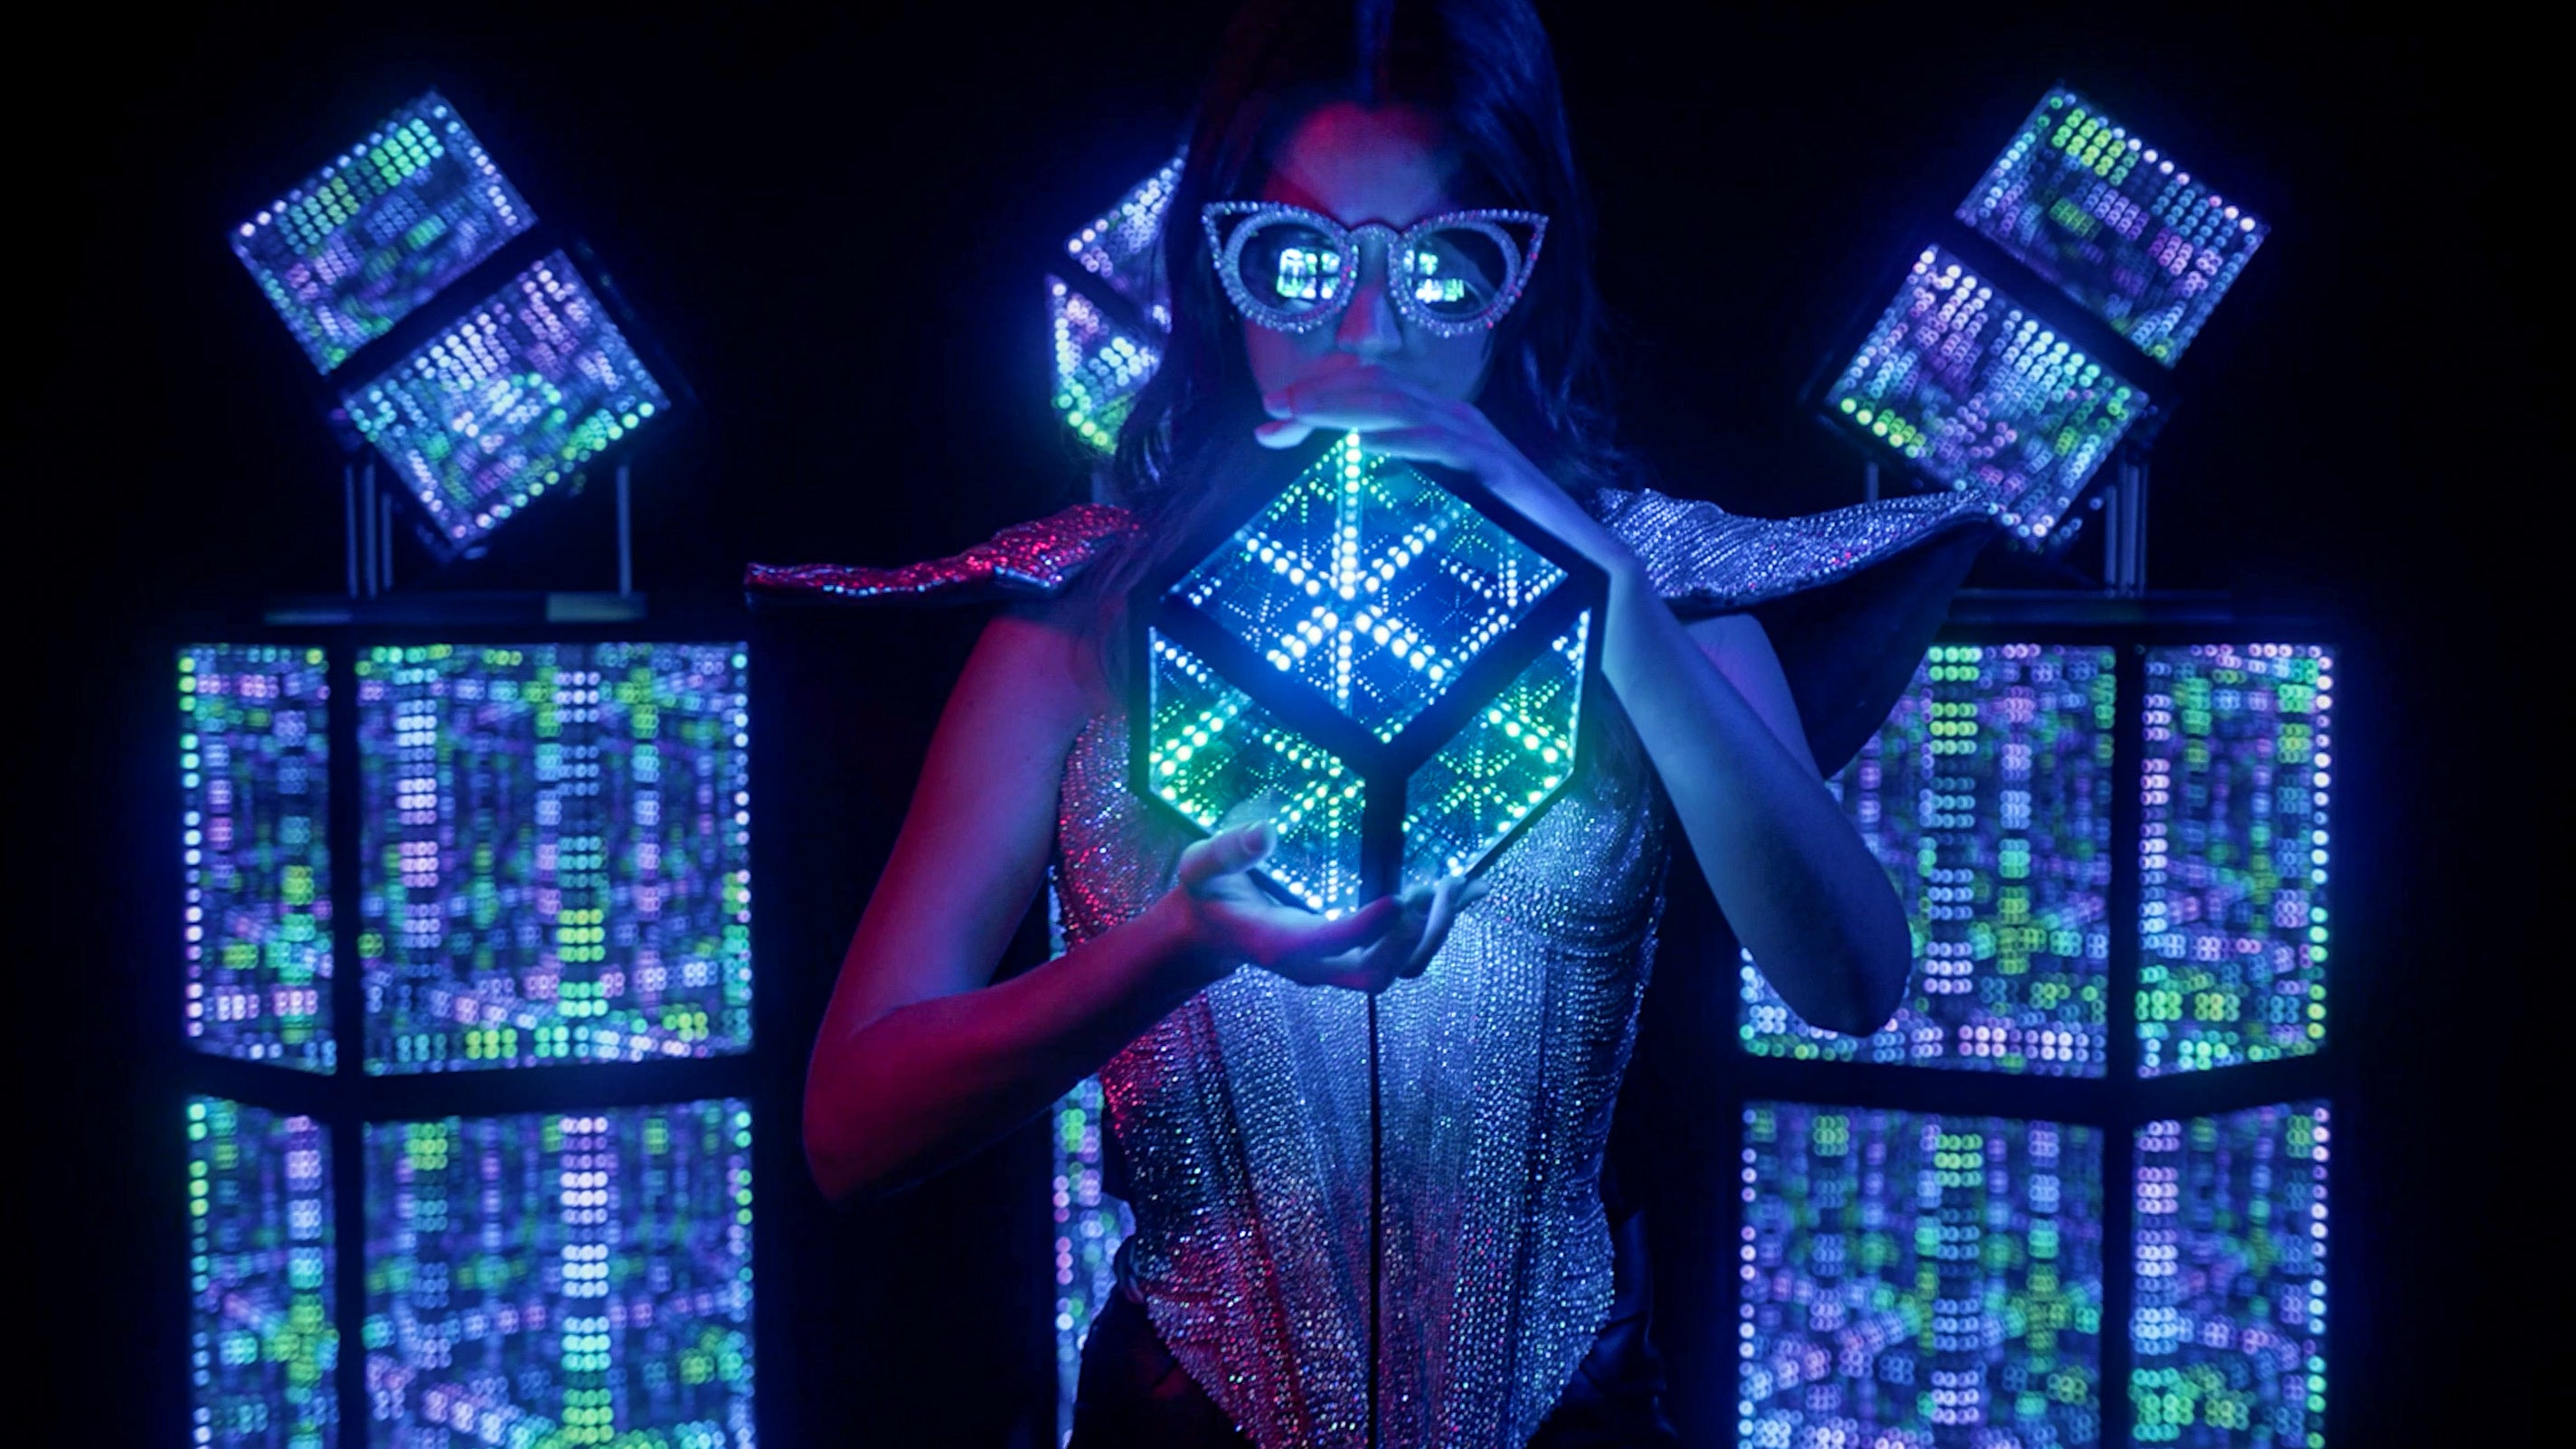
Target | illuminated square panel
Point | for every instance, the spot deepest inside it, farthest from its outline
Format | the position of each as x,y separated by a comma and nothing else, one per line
1962,385
2114,223
1089,1226
1911,1279
1099,368
556,849
1987,796
2230,1322
407,210
508,402
1123,246
562,1278
254,778
1509,758
2233,855
262,1346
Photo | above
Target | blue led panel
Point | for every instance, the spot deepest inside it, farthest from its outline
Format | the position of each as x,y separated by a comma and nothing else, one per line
254,780
509,401
1099,368
262,1347
556,849
2113,223
1961,384
385,226
2233,855
1987,795
562,1278
1123,245
2230,1322
1910,1279
1089,1226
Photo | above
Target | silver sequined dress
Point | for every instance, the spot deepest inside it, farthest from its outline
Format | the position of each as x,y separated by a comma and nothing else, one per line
1242,1117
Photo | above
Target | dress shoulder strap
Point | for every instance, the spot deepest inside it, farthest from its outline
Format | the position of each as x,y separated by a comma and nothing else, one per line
1036,559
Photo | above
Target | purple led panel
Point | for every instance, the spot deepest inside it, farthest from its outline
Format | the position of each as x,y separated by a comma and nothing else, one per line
2233,855
262,1346
1964,386
1987,796
254,780
2113,223
1913,1280
509,401
1089,1226
1099,369
561,1278
382,229
556,847
2228,1332
1123,246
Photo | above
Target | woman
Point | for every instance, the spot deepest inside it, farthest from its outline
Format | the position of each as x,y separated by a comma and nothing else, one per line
1227,1029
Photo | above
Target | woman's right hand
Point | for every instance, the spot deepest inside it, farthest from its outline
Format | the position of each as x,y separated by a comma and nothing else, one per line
1226,919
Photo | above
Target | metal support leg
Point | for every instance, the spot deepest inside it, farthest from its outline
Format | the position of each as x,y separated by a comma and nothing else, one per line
1869,482
349,522
366,540
625,536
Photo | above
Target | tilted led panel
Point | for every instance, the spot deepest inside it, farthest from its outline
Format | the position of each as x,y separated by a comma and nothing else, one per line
1099,368
1368,660
1911,1279
2229,1326
403,213
1966,387
2113,223
254,778
562,1278
1123,246
1089,1226
511,400
262,1345
2233,855
556,850
1987,795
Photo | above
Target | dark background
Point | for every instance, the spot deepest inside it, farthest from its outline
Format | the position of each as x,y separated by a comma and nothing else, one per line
837,226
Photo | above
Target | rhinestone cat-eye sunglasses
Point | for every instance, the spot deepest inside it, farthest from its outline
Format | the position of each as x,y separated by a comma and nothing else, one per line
1292,270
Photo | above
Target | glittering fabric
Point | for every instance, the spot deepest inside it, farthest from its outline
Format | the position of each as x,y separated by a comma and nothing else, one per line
1036,558
1242,1116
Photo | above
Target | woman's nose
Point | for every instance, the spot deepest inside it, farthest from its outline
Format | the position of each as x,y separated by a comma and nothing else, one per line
1369,328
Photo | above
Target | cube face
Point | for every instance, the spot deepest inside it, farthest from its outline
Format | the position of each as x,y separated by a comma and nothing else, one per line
261,1338
1099,367
1910,1278
2113,223
1987,796
2229,1327
1371,584
1959,383
555,858
1216,748
363,241
2234,855
254,778
1369,659
509,401
562,1278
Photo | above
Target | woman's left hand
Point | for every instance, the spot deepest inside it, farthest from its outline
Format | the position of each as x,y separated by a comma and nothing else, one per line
1398,417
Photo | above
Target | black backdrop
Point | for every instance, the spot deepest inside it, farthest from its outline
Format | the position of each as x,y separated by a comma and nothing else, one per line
836,226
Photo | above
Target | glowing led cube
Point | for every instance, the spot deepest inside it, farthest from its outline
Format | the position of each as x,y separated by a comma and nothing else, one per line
1099,367
1964,386
1390,668
1108,342
410,208
262,1342
2115,224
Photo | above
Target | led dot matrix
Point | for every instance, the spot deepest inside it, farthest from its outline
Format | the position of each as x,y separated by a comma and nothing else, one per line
562,1278
1102,359
510,401
1917,1279
2233,855
2113,223
409,209
1987,796
556,851
2229,1326
262,1346
254,758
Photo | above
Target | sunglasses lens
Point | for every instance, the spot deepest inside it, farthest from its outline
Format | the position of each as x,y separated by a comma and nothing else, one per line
1458,272
1290,266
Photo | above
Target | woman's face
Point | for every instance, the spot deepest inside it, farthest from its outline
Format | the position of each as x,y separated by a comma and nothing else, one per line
1355,165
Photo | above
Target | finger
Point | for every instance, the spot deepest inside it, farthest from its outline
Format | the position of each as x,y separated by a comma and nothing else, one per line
1435,929
1423,444
1226,853
1277,434
1316,940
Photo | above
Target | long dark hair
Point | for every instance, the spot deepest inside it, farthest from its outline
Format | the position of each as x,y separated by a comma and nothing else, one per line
1485,69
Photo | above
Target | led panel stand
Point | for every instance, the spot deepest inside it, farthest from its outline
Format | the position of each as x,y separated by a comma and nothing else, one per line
1390,666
